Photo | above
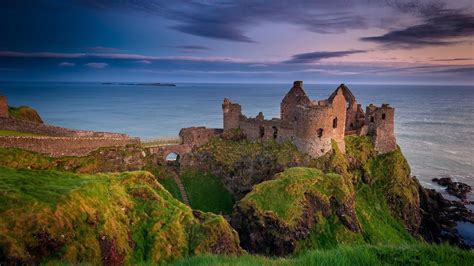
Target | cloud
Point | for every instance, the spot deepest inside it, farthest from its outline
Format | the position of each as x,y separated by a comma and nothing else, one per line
146,62
229,20
97,65
102,49
188,47
453,59
141,58
445,27
306,58
66,64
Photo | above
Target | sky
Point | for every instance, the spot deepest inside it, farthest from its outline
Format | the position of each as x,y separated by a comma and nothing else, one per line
319,41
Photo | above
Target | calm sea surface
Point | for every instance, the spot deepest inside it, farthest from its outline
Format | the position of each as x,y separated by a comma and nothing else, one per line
434,124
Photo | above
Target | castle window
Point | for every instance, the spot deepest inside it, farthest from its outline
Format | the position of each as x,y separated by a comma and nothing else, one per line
275,132
320,132
334,123
372,119
262,131
383,116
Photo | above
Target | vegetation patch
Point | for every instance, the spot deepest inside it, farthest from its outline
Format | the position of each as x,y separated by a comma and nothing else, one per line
242,164
414,254
206,192
105,218
25,113
17,133
390,173
276,214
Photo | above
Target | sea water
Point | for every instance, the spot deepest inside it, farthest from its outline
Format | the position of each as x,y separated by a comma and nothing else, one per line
434,125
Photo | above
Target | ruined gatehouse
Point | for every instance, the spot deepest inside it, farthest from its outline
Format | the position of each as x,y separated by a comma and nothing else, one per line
312,125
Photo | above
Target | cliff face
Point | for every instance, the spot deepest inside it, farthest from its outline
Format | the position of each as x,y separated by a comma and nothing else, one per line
278,213
109,219
359,197
242,164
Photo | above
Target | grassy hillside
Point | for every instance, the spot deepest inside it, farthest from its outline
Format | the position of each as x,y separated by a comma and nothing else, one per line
25,113
207,193
415,254
105,218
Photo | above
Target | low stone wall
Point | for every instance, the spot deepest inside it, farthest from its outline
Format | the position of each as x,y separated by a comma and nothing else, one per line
63,146
48,130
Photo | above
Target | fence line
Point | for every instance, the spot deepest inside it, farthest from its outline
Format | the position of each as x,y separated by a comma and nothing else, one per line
160,141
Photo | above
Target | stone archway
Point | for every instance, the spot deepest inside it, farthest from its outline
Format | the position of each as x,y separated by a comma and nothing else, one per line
172,157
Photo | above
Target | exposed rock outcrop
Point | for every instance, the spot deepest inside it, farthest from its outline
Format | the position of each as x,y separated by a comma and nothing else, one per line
457,189
278,213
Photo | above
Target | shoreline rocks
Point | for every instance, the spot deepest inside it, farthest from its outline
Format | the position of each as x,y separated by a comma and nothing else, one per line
457,189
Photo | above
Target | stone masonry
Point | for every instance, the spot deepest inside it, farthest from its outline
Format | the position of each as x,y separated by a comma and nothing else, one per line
312,125
4,107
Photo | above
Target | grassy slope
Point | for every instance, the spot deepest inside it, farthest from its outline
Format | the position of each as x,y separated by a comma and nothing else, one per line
416,254
83,218
25,113
16,133
206,192
283,194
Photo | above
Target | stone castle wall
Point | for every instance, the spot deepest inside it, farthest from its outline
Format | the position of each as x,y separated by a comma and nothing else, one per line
63,146
48,130
380,124
197,136
311,125
4,107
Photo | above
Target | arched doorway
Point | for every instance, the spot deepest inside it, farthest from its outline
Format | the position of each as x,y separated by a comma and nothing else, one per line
172,157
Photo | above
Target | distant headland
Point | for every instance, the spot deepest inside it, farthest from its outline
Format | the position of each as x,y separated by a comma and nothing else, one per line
140,84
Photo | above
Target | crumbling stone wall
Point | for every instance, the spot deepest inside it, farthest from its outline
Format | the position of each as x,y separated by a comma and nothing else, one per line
55,131
232,114
197,136
313,130
63,146
3,107
295,97
338,119
380,126
311,125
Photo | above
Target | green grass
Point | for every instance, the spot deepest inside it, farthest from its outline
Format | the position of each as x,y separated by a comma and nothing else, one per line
206,192
416,254
64,218
25,113
283,195
17,133
171,186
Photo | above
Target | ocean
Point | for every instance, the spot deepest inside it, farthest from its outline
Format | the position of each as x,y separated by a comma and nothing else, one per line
434,125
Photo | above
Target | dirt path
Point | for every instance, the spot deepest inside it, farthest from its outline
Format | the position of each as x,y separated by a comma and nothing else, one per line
184,195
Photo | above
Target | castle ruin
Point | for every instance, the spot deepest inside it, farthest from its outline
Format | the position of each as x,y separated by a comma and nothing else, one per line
312,125
3,107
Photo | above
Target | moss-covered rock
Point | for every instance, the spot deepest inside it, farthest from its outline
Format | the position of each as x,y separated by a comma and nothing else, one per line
390,173
276,214
25,113
108,159
242,164
48,216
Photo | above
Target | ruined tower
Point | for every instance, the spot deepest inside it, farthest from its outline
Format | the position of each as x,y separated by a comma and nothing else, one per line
317,125
3,107
295,97
380,122
313,125
232,113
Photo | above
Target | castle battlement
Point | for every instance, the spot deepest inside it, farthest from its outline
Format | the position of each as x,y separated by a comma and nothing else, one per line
312,124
